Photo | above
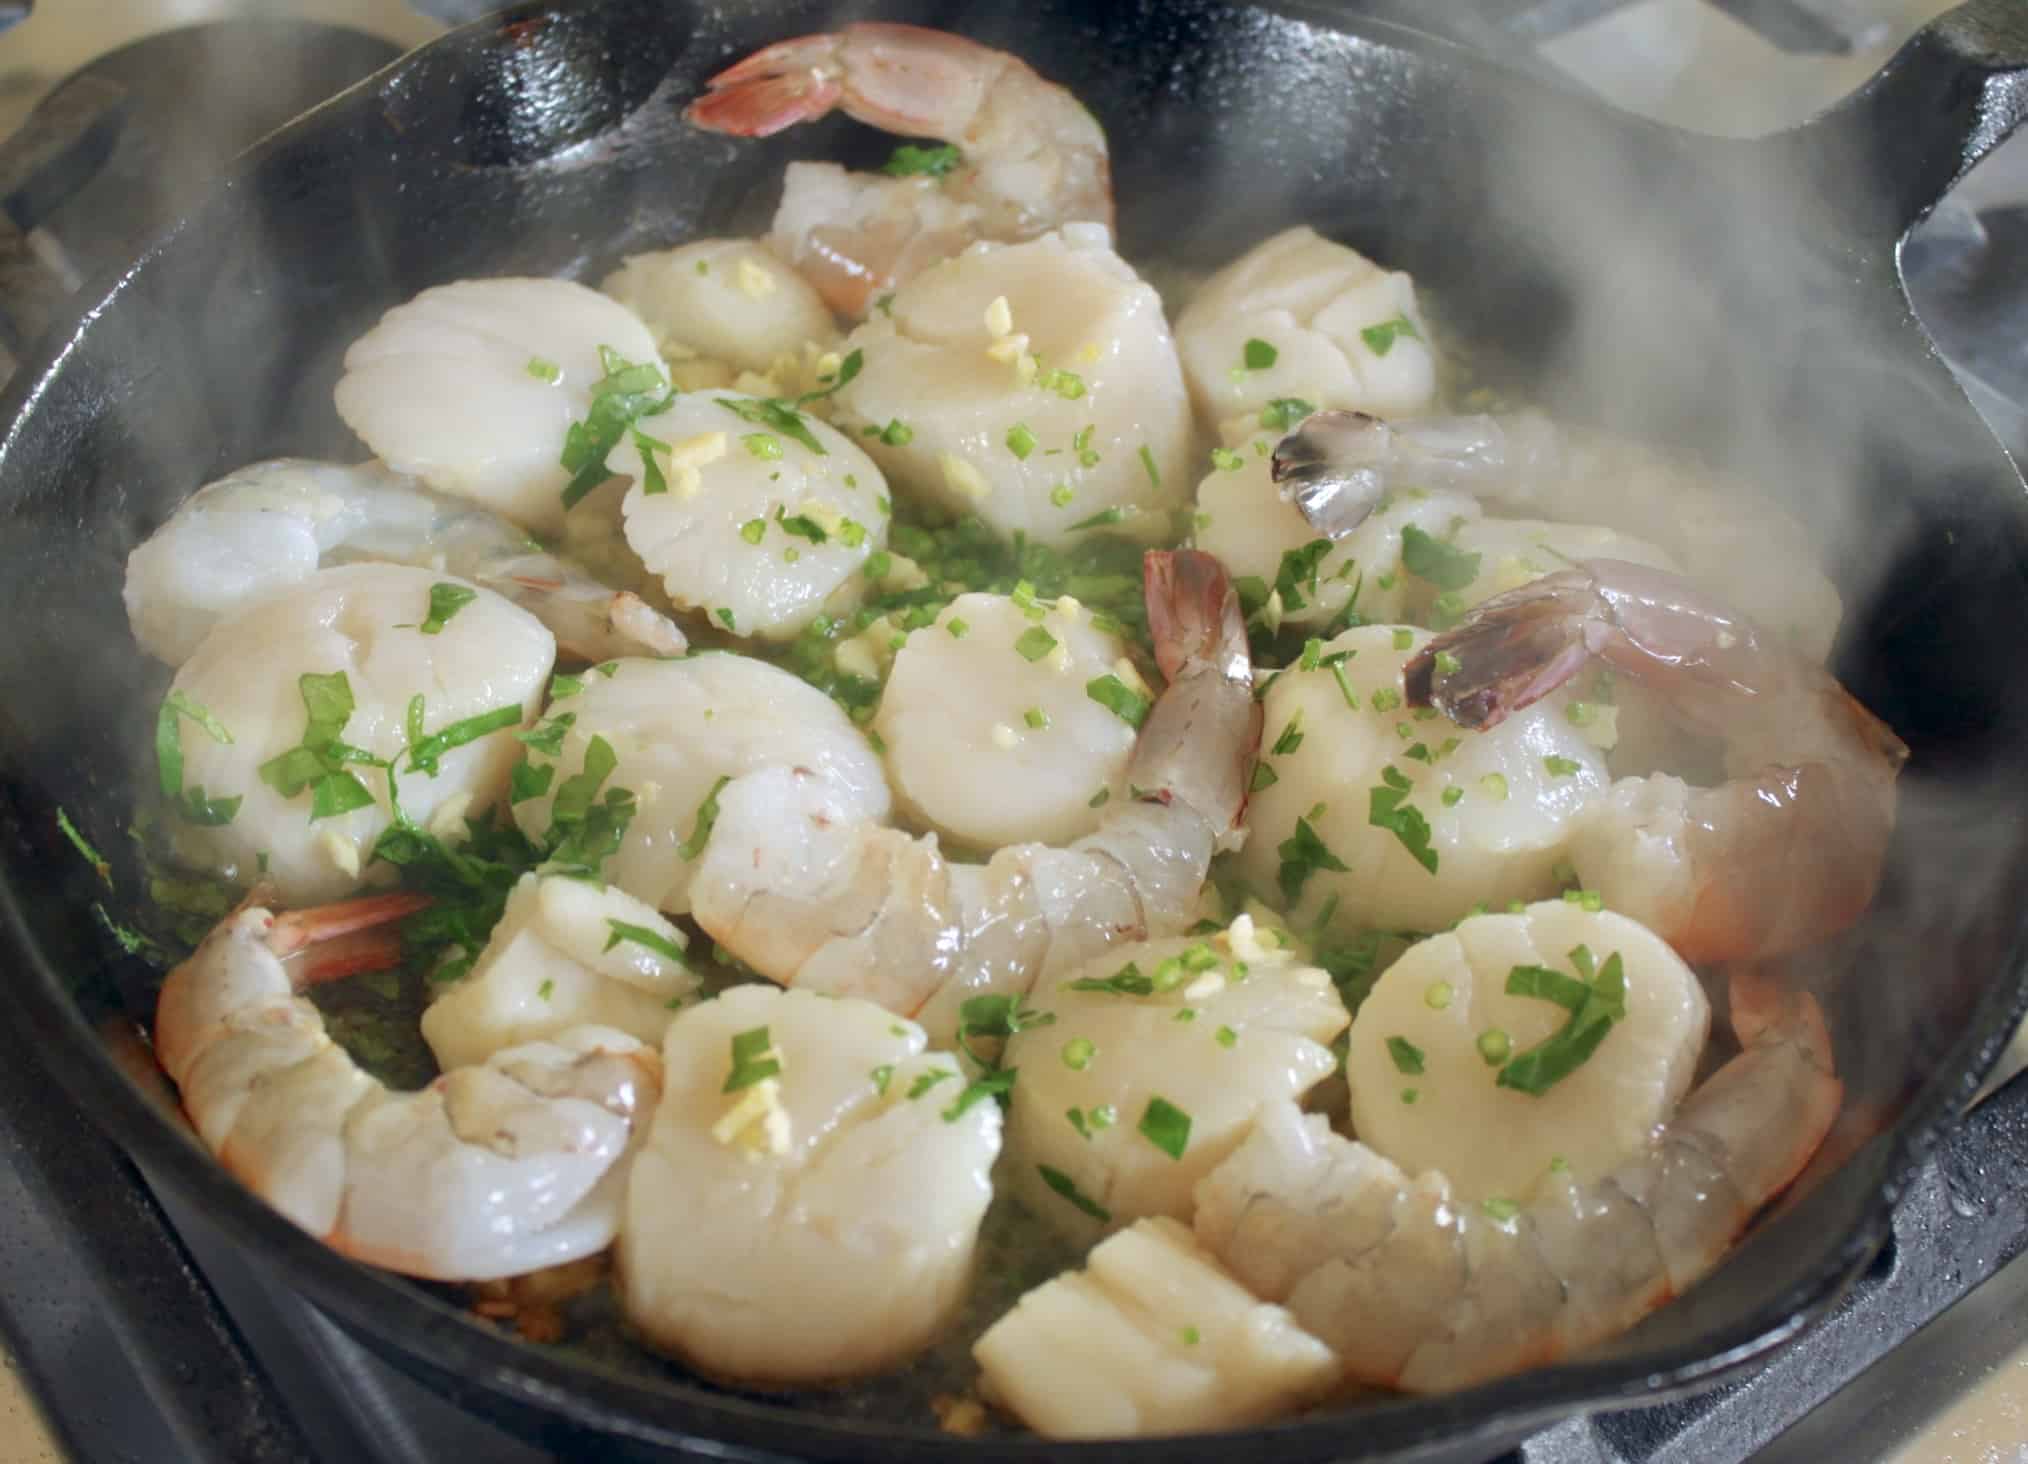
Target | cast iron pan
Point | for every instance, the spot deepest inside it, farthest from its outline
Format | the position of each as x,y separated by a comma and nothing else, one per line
1738,301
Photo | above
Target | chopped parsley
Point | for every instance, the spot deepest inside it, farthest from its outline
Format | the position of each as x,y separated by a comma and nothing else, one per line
543,370
547,737
1429,558
1118,698
642,936
1064,1185
882,1076
1104,518
1078,1053
1036,718
1302,855
1035,643
627,392
764,446
704,823
424,751
997,1016
926,1081
83,846
1020,440
996,1084
802,526
318,761
446,600
1595,1002
754,1060
1388,809
1283,414
1291,737
911,161
1561,767
191,804
1226,460
1066,384
1495,1046
1127,981
1260,354
1166,1126
777,416
526,781
1407,1056
1264,776
1226,1037
1380,338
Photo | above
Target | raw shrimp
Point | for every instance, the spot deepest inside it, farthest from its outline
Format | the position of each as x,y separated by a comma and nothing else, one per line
1190,1028
1367,815
1785,853
991,738
565,953
723,301
1031,155
1340,465
1032,384
489,1171
527,356
670,731
271,525
295,722
855,909
754,528
1420,1292
1151,1337
1299,317
807,1204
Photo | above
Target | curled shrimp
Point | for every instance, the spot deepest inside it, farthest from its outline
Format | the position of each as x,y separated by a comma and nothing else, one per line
490,1171
271,525
1784,853
1417,1292
1032,156
1339,467
860,910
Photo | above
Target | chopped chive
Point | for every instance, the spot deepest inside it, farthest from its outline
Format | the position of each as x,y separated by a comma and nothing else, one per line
1561,767
753,1060
1118,698
1407,1056
753,530
1020,440
647,939
1064,1185
1495,1046
1035,643
1078,1053
1166,1126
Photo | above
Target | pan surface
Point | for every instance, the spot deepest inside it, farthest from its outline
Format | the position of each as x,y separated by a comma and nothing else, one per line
1773,339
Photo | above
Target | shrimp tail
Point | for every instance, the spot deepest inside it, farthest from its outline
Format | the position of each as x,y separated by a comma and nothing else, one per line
1511,652
1334,468
1199,742
770,91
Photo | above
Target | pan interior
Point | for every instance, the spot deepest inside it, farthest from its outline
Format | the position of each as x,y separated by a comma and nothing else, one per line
1766,342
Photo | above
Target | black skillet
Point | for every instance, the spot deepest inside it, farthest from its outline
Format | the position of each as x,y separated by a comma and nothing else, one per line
1736,300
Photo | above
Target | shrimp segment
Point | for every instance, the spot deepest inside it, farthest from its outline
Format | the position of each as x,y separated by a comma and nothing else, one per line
860,910
1032,156
1419,1293
490,1171
270,525
1811,772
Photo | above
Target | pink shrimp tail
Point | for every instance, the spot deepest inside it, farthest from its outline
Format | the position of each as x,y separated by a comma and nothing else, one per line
343,939
1193,614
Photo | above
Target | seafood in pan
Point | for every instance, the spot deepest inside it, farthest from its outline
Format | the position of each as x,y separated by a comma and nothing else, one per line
844,754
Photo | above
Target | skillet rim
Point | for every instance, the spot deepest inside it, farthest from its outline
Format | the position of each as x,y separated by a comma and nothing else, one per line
477,1363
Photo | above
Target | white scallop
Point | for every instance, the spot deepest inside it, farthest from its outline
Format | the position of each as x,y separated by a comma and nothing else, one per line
443,388
362,620
1281,1015
1082,310
727,300
676,727
1151,1337
720,537
1490,1141
559,959
960,717
1331,316
816,1226
1500,840
1245,519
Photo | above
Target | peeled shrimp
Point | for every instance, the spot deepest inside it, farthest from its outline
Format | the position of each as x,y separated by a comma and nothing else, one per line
815,1224
855,909
674,728
1341,464
1032,384
1191,1024
1151,1337
752,528
1340,332
356,632
1032,156
524,355
271,525
1466,817
991,738
1420,1292
490,1171
723,301
1785,853
565,953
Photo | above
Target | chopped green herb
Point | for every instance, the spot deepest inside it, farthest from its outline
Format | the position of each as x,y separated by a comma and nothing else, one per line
1078,1053
1449,665
83,846
1060,495
424,752
1302,855
1104,518
1437,995
1451,796
1291,736
526,781
1118,698
1087,455
1409,1095
753,530
1066,384
1494,786
753,1060
446,600
1036,718
763,446
627,392
996,1085
1035,643
1166,1126
647,939
1064,1185
1225,1037
1388,809
1495,1046
1380,338
957,627
547,737
1592,1015
1264,776
802,526
543,370
1430,558
911,161
1098,799
1283,414
1020,440
1386,699
1226,460
1260,355
1407,1056
882,1076
1561,767
702,825
724,615
926,1081
1148,465
1500,1209
777,416
191,805
1127,981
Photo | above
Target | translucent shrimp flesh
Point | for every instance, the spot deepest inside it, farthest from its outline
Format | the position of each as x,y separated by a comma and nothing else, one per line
1784,853
1418,1291
1031,156
858,909
492,1170
270,525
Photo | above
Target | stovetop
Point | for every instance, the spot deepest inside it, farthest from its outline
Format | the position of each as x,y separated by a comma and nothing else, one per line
147,1337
